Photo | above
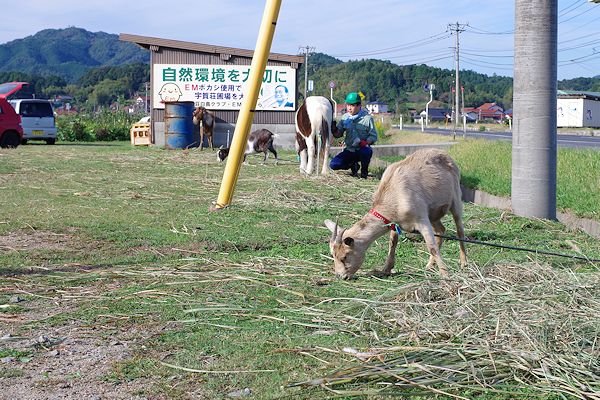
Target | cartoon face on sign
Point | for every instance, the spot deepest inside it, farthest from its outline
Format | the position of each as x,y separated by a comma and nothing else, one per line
169,92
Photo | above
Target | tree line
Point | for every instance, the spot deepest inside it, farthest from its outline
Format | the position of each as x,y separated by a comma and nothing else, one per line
97,88
401,87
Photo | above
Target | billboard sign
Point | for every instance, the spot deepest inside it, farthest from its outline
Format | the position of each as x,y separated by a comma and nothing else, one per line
222,87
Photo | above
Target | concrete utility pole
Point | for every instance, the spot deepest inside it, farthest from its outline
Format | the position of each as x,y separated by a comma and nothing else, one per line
306,51
534,104
457,29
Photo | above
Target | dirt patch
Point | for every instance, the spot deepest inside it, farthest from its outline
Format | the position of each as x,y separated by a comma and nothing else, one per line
71,361
36,240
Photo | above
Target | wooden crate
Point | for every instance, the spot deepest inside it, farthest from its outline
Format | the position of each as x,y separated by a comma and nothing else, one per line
140,134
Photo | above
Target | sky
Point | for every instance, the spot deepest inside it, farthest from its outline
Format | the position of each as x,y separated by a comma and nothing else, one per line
404,32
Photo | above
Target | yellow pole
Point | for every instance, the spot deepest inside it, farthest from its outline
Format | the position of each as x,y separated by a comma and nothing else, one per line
242,126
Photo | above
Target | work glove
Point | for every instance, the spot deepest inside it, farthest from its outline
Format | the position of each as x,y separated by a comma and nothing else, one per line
363,143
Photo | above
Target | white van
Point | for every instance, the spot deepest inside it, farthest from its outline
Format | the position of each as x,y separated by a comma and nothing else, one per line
37,119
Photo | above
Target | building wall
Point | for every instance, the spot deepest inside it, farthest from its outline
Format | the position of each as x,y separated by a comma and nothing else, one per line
569,113
591,113
280,122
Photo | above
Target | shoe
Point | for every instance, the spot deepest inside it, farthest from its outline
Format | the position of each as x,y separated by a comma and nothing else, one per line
354,169
364,171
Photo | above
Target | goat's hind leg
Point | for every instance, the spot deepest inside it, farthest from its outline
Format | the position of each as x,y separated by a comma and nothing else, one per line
460,232
310,151
272,150
432,246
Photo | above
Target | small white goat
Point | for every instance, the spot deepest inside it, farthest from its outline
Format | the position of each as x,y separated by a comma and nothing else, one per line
314,119
414,194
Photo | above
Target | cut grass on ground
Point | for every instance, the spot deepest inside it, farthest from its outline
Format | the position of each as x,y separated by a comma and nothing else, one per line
115,245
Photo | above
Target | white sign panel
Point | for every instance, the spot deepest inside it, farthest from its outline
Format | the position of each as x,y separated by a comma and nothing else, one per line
222,87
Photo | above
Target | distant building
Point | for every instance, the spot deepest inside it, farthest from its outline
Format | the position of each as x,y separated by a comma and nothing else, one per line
212,76
577,109
142,103
376,107
435,114
486,111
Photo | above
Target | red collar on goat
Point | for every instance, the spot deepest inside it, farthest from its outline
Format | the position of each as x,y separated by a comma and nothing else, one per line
386,221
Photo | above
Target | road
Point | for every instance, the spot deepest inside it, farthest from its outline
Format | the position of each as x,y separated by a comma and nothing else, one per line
563,140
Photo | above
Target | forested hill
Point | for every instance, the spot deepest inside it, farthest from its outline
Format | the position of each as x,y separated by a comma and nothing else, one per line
403,84
98,67
67,53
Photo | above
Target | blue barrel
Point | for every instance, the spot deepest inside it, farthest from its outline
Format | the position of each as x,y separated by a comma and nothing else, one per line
179,125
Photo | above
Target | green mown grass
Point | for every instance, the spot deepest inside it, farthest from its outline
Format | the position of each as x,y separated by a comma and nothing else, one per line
122,239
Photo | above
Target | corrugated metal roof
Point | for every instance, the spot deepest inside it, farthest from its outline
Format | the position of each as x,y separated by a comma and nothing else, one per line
579,94
147,41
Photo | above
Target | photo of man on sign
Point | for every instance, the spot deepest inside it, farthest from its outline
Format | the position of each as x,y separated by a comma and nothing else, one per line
281,96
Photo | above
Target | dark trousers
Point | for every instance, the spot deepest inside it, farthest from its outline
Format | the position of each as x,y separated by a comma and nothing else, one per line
346,159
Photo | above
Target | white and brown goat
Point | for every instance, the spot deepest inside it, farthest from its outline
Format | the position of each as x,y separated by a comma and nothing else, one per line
414,194
206,119
259,141
314,120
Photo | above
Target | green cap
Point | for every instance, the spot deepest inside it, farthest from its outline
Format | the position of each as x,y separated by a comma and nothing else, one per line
353,98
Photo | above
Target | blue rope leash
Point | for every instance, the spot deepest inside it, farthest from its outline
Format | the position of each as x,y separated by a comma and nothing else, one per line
473,241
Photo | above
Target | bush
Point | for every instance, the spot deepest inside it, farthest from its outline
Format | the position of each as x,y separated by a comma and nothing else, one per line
482,128
102,126
73,129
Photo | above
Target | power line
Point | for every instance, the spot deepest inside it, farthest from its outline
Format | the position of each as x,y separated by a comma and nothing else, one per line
421,42
487,66
577,15
570,6
563,12
479,31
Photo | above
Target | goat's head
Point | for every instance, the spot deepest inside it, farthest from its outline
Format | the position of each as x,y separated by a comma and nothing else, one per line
348,255
198,115
222,153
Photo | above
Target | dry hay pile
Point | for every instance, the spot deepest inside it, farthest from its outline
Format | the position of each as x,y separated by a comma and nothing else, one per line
501,328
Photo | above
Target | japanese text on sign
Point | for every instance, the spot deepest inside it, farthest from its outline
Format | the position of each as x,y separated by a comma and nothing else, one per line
222,87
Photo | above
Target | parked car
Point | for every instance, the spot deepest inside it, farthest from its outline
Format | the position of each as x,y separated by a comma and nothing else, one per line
11,131
37,119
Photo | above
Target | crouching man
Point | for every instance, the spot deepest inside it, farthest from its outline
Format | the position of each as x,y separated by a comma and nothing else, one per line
359,127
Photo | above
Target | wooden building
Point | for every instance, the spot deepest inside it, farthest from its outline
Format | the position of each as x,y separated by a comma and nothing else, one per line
214,76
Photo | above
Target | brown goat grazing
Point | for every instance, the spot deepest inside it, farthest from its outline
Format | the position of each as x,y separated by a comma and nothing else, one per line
260,141
414,194
206,119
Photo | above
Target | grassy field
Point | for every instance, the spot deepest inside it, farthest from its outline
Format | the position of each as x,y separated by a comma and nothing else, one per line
117,282
486,165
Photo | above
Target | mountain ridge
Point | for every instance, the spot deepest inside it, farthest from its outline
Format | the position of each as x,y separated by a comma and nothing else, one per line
68,53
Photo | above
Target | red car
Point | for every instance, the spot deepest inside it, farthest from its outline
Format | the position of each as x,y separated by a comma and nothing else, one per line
11,131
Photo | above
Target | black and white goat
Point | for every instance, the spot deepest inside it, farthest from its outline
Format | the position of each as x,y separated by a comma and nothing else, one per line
260,141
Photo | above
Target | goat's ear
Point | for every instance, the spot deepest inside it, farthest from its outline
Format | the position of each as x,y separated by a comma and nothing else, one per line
349,241
332,226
